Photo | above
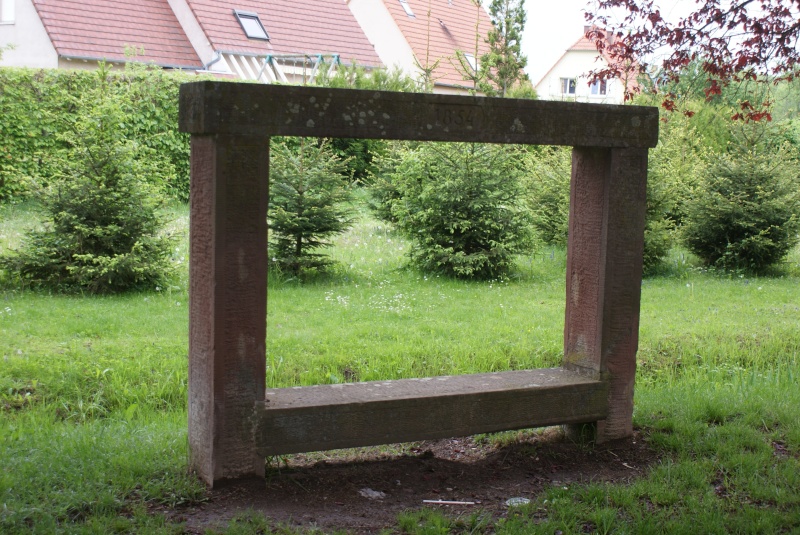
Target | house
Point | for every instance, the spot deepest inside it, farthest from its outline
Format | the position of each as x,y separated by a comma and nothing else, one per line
424,35
275,40
568,78
75,34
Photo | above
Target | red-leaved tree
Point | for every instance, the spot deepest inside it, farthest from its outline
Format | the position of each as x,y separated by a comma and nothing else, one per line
731,40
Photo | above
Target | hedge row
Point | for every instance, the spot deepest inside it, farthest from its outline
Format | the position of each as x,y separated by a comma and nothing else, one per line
35,106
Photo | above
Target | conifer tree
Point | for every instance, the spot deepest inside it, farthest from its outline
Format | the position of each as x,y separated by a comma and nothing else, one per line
102,231
307,206
504,63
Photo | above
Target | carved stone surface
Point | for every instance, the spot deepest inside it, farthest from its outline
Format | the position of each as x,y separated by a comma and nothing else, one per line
231,424
604,273
294,420
227,301
253,109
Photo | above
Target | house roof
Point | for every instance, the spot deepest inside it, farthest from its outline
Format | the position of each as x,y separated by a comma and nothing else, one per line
294,27
438,29
95,29
583,44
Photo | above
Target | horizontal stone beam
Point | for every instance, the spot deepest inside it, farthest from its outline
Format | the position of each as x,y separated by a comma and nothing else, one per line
210,107
324,417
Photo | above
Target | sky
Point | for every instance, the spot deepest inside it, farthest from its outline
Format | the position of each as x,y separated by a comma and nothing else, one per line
552,26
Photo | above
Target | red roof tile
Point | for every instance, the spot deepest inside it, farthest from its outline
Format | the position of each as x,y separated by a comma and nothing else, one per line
438,29
584,43
95,29
294,27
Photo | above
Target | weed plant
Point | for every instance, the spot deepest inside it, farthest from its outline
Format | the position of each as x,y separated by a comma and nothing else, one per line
93,389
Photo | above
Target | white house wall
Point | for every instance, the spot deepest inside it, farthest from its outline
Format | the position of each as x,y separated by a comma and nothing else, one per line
26,33
383,33
577,64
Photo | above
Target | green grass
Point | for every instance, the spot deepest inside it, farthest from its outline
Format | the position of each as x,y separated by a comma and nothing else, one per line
727,466
93,389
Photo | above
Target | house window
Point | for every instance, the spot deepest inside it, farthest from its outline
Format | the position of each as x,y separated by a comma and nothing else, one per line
599,87
568,86
7,11
407,8
251,25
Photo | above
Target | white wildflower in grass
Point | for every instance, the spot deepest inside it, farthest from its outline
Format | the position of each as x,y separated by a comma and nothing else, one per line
396,303
341,300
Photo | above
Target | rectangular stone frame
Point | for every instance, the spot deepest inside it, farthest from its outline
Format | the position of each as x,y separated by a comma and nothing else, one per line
234,422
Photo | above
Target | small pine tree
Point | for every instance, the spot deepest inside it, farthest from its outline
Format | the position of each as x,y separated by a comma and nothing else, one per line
308,196
102,232
461,205
747,213
504,64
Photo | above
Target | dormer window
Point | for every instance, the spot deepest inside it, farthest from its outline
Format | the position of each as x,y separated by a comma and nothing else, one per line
407,8
251,25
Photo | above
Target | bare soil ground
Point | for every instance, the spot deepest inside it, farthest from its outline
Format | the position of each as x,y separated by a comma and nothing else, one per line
362,491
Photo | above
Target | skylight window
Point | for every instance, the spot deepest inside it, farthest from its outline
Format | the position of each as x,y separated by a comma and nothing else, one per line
251,25
472,62
407,8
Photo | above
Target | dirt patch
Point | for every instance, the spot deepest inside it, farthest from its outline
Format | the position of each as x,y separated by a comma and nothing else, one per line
363,490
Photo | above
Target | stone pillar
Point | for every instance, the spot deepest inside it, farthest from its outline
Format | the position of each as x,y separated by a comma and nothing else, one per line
228,301
604,275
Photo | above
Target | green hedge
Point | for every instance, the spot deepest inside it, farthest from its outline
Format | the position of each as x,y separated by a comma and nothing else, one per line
32,108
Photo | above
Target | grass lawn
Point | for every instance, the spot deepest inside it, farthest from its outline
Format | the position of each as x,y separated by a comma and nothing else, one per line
93,389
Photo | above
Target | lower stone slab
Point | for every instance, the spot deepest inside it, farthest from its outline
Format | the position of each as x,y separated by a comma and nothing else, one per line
324,417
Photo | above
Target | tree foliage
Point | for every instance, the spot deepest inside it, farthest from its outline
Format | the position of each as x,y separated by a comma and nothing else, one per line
675,168
731,40
33,104
746,215
307,206
357,77
504,64
5,48
548,171
461,204
102,231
